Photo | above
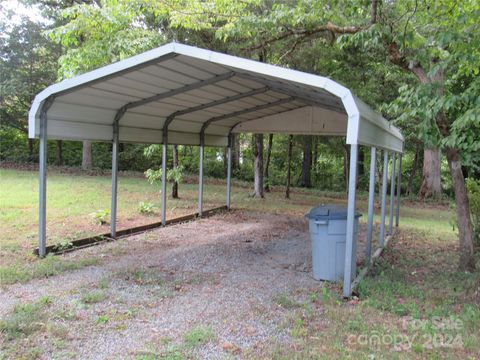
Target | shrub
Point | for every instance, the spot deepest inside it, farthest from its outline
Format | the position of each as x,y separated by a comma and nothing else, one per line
63,245
473,187
99,217
146,208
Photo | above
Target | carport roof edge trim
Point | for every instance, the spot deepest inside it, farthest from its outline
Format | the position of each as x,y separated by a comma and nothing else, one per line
356,109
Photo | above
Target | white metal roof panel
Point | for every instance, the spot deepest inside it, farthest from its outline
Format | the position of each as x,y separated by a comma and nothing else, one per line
85,107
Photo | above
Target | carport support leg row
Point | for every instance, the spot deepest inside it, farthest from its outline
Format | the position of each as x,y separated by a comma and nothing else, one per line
182,95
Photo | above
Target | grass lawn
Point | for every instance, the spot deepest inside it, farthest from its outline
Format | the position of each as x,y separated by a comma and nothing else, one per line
413,304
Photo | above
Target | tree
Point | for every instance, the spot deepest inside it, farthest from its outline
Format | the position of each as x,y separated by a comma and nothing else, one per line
258,166
306,180
87,155
267,164
432,49
435,41
431,185
289,166
175,168
27,59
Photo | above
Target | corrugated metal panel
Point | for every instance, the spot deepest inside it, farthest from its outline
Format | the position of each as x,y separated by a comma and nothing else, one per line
108,86
81,113
133,119
178,67
304,120
199,64
91,101
160,84
94,98
159,73
136,85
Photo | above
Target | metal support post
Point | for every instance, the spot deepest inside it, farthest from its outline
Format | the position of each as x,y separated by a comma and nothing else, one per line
350,257
371,204
113,211
384,199
392,194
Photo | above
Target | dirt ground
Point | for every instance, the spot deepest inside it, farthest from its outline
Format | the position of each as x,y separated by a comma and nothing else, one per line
227,273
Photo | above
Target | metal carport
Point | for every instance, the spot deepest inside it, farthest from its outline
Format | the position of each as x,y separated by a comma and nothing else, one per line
178,94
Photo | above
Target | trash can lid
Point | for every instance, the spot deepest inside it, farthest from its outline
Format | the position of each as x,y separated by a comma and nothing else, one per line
330,212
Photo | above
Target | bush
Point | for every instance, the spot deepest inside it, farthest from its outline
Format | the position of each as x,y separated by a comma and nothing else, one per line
100,217
146,208
473,187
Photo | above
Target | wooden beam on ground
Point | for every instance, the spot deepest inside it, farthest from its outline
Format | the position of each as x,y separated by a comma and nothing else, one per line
102,238
375,256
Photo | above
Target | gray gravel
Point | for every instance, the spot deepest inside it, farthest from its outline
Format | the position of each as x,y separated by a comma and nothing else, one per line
222,272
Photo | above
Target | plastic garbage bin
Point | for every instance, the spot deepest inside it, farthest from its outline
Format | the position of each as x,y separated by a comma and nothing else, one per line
328,230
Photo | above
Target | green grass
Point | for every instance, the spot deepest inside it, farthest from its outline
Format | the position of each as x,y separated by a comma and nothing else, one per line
93,297
50,266
71,199
25,319
416,278
198,336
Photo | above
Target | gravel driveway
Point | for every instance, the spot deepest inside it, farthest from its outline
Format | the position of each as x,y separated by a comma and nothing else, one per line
226,277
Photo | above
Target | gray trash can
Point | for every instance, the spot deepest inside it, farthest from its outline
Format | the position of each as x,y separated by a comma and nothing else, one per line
328,229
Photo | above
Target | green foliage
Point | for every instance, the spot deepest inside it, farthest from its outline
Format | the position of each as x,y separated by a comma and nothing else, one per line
146,208
25,319
473,187
27,59
102,319
63,245
100,217
50,266
173,175
198,336
93,297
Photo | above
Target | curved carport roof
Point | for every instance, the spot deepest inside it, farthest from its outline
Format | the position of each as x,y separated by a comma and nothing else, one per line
180,94
191,91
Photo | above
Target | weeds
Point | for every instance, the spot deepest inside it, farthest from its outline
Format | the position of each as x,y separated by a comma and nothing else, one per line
93,297
100,217
25,319
146,208
42,268
198,336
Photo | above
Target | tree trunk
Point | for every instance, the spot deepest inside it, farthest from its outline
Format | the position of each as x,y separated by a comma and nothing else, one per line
267,164
289,166
465,230
307,162
59,159
225,162
361,162
87,155
258,166
175,165
315,152
431,186
236,151
414,172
